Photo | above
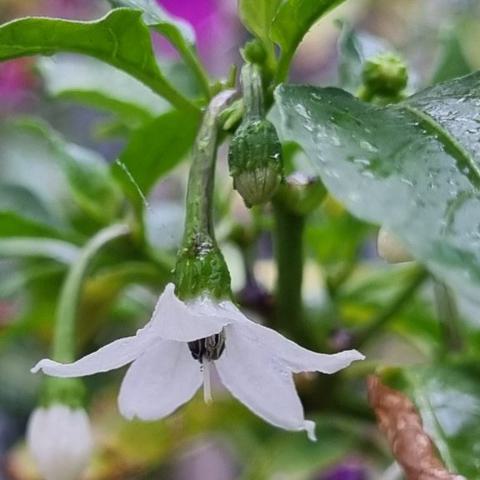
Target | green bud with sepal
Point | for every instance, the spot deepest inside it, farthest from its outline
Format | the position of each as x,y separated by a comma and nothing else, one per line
385,77
255,154
65,391
254,52
301,194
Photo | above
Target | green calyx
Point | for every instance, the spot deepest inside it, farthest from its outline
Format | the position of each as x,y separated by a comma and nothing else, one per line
384,76
255,153
201,269
301,194
67,391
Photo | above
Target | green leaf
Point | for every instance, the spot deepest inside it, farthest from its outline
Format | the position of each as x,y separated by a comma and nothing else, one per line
177,31
413,167
452,61
257,16
16,278
19,199
295,458
32,185
89,81
156,16
335,239
58,250
152,151
34,155
120,39
292,21
448,398
12,224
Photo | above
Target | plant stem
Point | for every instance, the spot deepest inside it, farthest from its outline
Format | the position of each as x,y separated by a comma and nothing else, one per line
63,349
200,266
166,90
396,306
448,315
199,202
252,92
289,258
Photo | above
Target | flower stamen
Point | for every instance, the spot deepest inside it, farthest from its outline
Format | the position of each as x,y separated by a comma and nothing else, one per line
207,385
209,348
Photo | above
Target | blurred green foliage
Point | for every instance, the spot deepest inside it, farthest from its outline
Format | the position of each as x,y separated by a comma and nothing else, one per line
55,195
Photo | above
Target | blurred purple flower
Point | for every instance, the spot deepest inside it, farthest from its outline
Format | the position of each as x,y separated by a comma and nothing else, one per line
351,470
73,9
16,80
214,25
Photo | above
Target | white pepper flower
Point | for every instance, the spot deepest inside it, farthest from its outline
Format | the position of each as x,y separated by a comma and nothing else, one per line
60,440
174,353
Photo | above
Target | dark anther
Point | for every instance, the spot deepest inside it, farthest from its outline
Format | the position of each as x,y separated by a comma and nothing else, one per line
209,348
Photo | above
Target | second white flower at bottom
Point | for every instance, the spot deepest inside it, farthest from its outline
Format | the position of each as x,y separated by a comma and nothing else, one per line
173,354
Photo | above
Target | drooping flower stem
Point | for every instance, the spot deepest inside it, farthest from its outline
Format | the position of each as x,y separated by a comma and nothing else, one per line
200,265
201,177
69,391
64,339
289,229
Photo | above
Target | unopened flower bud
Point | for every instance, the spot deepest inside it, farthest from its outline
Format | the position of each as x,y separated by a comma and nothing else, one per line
60,440
255,154
254,52
255,160
385,75
391,249
301,194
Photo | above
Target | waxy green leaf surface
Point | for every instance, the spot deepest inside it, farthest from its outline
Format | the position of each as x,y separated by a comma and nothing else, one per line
293,20
413,167
153,150
120,39
257,16
94,83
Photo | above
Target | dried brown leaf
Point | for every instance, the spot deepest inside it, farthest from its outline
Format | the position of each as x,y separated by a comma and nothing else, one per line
400,422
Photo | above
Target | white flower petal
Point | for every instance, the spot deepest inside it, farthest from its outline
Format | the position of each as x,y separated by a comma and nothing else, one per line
114,355
60,441
297,358
159,381
260,381
173,319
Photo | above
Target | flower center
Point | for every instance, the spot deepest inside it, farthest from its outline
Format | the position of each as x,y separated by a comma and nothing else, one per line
208,348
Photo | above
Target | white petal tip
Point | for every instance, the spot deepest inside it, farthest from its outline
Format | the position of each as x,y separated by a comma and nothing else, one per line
169,288
126,414
38,366
357,355
309,427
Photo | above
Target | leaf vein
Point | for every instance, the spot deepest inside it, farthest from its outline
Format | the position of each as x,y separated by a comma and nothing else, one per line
453,146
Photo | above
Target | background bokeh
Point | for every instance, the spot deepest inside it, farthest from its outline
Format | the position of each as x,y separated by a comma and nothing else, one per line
346,285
